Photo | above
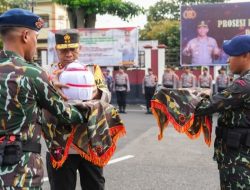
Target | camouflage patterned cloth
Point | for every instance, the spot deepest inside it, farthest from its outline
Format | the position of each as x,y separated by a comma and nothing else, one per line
24,90
233,165
233,106
177,106
94,140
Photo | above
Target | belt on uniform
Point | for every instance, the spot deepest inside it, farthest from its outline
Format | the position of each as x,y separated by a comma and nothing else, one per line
168,85
205,87
32,147
234,137
27,146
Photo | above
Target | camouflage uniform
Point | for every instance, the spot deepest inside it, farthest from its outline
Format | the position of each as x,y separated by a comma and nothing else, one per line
233,105
24,90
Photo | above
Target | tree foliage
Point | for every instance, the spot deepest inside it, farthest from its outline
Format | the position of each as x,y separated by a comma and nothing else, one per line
82,13
165,31
6,4
171,9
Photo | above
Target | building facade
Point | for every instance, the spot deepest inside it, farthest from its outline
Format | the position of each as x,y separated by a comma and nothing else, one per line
55,18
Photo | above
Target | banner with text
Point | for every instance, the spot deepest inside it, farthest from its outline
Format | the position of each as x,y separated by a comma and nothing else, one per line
104,47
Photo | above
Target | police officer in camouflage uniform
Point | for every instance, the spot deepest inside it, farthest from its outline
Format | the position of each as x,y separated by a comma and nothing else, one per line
232,143
149,84
24,91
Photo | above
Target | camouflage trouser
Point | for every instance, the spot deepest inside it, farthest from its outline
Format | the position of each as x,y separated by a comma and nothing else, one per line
234,178
234,166
27,174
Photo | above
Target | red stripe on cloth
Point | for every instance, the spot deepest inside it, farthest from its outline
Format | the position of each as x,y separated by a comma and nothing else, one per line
80,85
76,69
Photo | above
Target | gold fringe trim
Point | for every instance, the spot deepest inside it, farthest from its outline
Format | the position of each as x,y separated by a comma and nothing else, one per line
115,132
58,164
155,104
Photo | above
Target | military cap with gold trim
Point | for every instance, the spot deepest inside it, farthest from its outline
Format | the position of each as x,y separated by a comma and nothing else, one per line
68,38
21,18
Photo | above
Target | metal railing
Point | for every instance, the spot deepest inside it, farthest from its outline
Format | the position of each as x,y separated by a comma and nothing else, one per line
172,57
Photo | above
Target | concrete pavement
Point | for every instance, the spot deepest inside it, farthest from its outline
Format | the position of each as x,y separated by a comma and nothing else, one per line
174,163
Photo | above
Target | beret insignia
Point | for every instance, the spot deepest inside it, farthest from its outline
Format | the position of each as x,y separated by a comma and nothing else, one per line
39,23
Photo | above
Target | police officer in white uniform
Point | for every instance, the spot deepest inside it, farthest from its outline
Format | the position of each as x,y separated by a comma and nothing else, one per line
222,81
187,79
121,87
149,84
169,78
202,49
205,79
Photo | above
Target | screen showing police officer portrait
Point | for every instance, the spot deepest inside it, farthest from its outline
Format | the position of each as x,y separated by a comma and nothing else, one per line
205,27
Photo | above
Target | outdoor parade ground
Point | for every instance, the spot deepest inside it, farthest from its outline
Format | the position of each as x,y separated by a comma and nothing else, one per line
141,162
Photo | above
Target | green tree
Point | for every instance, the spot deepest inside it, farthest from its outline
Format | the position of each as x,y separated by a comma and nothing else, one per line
14,4
82,13
171,9
165,31
3,6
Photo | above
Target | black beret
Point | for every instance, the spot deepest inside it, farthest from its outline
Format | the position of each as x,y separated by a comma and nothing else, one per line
238,45
68,38
21,18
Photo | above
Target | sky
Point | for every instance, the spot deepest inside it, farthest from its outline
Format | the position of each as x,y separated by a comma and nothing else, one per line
108,21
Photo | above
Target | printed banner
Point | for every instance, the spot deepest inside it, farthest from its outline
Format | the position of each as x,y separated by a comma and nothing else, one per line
205,27
104,47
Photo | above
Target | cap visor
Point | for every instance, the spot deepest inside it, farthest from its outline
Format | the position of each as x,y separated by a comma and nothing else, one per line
66,46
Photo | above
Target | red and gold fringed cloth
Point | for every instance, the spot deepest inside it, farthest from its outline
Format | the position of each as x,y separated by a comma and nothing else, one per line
95,140
177,106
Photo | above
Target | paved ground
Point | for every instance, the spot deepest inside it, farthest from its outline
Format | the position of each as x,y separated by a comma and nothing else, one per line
173,163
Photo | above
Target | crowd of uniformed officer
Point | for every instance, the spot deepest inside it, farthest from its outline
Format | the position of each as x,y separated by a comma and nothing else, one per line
170,79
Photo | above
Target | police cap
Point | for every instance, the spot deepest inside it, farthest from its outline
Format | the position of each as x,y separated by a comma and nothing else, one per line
205,69
238,45
68,38
21,18
202,24
223,69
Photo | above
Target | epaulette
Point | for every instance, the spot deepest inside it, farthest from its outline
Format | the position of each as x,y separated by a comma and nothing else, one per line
60,65
241,82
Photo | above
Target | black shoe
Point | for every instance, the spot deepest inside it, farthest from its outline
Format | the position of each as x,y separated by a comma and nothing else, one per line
120,111
124,112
